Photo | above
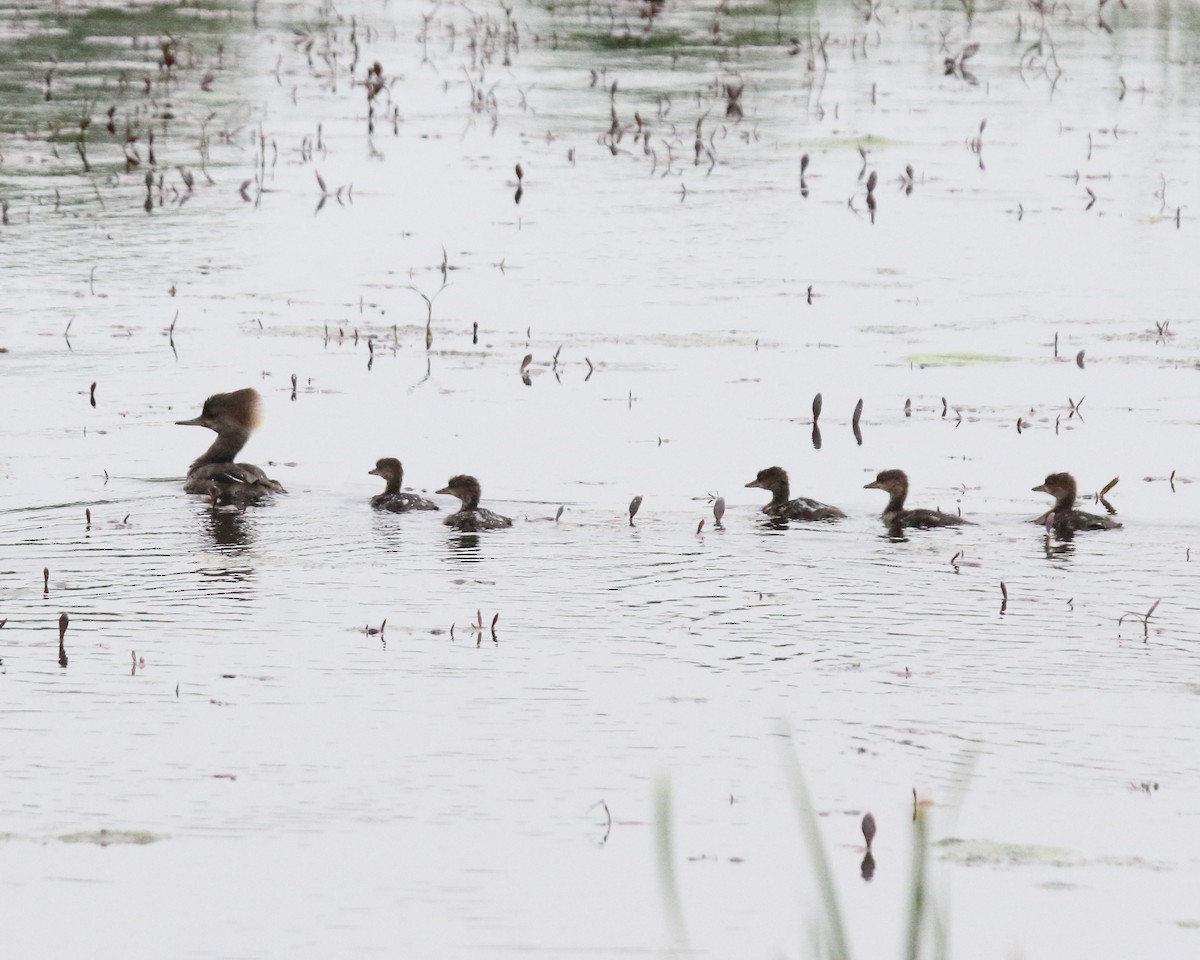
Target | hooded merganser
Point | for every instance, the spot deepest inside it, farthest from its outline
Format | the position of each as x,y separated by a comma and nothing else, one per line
392,499
214,474
471,516
1063,517
775,480
895,484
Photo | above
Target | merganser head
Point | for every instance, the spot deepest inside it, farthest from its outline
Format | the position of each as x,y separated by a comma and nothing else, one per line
466,488
239,411
773,479
894,482
388,468
1061,486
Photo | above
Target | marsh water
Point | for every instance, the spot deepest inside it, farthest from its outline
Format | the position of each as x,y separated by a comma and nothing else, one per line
235,761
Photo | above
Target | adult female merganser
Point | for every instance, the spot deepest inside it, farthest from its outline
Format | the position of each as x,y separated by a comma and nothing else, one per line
214,474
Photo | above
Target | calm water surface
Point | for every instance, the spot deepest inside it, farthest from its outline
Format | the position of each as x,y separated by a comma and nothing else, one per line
275,780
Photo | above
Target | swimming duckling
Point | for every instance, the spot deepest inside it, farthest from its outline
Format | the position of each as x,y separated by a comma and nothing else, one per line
392,498
471,516
1063,517
895,484
214,474
775,481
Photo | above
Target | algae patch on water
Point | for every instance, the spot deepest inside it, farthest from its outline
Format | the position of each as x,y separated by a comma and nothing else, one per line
996,853
659,40
955,359
110,838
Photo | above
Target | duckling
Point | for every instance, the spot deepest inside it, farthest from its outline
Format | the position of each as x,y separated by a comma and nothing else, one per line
392,498
1063,517
471,516
775,481
895,484
232,416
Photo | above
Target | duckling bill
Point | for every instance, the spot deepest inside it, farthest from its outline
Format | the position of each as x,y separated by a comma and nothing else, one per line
1063,518
232,416
775,481
392,498
471,517
895,484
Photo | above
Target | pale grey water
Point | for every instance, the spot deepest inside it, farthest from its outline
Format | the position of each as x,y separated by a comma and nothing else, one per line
313,791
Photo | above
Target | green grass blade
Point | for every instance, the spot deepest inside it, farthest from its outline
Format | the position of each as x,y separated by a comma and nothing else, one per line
918,885
838,947
665,848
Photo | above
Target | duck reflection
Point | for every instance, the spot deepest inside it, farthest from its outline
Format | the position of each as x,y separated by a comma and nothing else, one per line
1059,546
894,533
465,547
388,534
233,534
867,867
231,528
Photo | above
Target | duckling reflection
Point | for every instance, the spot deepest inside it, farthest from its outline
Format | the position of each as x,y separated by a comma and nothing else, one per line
466,547
896,518
392,537
1063,518
1060,548
232,416
775,481
471,516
